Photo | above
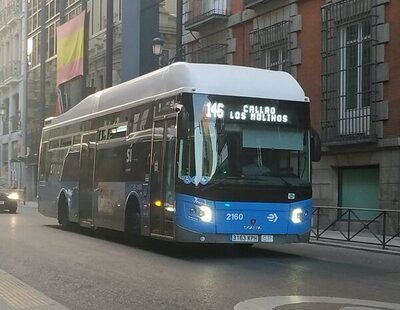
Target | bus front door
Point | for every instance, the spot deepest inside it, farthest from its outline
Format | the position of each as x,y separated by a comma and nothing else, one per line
86,174
162,208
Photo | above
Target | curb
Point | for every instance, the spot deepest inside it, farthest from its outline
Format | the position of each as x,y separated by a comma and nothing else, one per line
29,204
16,294
354,247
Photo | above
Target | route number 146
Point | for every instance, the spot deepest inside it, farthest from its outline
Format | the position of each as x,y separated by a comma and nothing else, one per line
215,110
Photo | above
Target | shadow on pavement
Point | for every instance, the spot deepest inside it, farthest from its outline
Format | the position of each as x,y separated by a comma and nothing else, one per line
180,250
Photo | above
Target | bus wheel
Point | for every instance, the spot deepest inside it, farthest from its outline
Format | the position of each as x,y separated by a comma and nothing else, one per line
63,213
132,219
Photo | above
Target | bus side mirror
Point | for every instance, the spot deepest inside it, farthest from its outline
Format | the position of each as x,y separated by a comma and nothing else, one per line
183,123
315,146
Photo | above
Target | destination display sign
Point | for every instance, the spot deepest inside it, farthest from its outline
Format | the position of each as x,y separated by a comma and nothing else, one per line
246,112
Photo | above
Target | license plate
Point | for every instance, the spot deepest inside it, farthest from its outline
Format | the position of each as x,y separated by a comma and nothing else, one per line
267,238
244,238
1,202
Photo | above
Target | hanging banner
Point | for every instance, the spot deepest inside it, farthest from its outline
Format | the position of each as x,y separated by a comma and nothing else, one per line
70,49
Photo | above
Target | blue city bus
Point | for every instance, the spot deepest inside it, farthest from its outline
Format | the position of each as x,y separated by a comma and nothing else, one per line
189,153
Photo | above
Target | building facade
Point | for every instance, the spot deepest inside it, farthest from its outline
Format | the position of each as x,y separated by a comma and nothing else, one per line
43,17
107,61
344,54
12,91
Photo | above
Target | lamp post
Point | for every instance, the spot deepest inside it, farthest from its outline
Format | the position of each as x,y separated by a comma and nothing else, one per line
157,46
179,16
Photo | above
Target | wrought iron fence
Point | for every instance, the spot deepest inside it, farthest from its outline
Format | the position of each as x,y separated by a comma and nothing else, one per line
376,227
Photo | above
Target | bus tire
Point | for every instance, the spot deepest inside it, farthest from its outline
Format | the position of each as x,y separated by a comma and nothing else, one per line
132,218
63,219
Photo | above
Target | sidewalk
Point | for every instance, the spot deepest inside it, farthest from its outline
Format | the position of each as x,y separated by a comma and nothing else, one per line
366,242
29,204
15,294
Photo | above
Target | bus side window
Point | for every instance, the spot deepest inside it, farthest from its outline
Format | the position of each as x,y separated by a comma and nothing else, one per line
110,164
76,140
66,142
43,162
140,153
102,135
135,123
70,171
117,132
53,165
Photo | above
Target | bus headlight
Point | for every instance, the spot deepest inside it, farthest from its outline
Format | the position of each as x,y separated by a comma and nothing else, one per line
201,212
297,215
13,196
205,214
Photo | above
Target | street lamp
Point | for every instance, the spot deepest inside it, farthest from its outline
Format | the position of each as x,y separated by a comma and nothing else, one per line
157,45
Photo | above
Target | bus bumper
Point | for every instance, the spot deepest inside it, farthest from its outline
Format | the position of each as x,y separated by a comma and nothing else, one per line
185,235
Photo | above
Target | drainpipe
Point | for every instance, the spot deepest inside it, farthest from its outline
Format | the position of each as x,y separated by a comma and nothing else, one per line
179,18
109,42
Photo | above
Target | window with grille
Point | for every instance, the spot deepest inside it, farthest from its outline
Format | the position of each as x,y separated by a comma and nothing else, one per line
276,58
355,65
210,49
269,47
348,70
214,53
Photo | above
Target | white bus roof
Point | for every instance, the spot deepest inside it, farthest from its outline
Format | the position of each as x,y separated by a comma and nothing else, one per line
180,77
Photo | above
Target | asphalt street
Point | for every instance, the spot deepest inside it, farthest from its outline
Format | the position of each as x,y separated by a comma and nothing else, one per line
82,269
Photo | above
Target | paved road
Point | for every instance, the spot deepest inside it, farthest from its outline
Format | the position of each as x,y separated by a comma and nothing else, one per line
87,270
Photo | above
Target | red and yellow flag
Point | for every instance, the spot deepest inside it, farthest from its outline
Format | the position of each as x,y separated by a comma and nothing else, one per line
70,49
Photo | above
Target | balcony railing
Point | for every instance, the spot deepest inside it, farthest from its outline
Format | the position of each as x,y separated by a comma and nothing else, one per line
201,12
5,126
11,11
15,123
10,72
215,53
251,4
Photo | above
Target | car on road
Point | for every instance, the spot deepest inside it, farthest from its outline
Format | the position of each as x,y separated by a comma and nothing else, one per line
9,198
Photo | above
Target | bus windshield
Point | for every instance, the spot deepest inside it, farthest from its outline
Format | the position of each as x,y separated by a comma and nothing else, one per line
245,141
